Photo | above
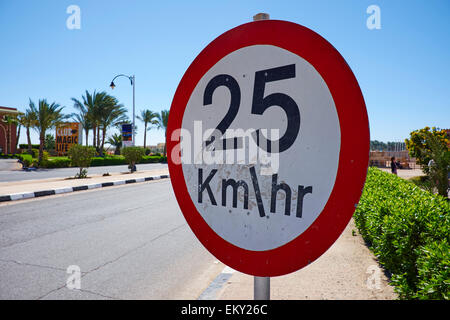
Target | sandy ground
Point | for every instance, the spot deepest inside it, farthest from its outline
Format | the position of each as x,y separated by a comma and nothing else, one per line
347,271
406,173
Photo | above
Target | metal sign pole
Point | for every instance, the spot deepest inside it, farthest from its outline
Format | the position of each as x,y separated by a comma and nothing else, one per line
261,285
261,288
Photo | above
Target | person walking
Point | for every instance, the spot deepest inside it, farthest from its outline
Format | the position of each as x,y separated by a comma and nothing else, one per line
393,166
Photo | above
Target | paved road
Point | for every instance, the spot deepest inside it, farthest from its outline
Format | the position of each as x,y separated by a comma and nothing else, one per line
8,165
7,174
130,242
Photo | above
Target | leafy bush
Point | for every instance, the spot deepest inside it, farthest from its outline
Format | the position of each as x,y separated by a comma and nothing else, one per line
25,146
133,155
81,157
65,162
108,161
409,230
26,159
423,182
35,152
61,162
152,159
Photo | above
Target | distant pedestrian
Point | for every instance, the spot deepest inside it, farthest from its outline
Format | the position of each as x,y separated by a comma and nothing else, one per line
393,166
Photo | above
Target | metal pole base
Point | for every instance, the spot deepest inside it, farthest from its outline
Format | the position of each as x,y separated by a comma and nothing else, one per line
261,288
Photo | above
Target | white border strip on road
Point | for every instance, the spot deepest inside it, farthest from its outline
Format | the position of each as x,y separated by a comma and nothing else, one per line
29,195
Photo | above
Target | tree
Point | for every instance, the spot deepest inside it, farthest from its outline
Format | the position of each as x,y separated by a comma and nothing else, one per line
47,116
163,119
111,114
99,111
81,156
28,120
49,143
376,145
89,115
148,117
116,141
85,122
133,155
431,150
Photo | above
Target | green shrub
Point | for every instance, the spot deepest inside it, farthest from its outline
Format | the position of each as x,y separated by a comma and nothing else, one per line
65,162
108,161
81,157
133,155
26,159
35,152
432,266
25,146
406,227
423,182
61,162
151,159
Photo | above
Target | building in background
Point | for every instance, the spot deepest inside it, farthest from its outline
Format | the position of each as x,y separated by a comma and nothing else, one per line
159,148
8,131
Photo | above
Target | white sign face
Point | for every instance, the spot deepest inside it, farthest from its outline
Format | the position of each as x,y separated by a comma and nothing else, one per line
261,198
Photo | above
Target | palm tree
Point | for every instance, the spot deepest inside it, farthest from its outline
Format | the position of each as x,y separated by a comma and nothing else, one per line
89,115
83,118
111,113
116,141
148,117
85,123
28,120
47,116
163,119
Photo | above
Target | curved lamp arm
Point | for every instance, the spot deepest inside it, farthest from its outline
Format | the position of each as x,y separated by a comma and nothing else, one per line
112,85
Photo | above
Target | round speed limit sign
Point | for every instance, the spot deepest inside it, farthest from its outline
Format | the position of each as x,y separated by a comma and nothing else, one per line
268,145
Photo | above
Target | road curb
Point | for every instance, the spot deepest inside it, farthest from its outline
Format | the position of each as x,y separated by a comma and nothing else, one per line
43,193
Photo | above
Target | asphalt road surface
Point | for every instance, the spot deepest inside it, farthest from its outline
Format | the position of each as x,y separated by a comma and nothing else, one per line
7,174
129,242
8,164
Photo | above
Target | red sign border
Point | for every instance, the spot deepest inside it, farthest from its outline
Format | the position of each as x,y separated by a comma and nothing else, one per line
353,157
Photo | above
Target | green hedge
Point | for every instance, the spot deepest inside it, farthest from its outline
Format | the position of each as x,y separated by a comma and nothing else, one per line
25,146
64,162
7,156
25,157
107,161
17,156
408,229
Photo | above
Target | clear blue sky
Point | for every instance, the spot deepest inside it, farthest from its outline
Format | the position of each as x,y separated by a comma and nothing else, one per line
403,68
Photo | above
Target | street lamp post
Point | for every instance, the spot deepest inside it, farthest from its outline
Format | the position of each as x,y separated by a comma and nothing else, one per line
133,82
